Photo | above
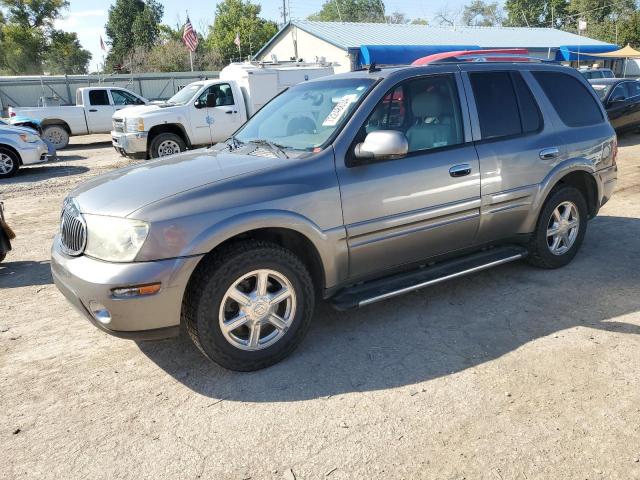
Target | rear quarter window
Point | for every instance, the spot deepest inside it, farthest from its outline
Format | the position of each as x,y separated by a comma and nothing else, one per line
574,104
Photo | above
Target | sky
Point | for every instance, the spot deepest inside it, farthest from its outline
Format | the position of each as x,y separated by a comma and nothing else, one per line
87,18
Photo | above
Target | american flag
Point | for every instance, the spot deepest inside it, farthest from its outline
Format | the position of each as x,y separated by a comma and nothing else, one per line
102,46
189,36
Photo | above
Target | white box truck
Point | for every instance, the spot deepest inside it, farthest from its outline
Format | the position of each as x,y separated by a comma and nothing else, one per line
208,111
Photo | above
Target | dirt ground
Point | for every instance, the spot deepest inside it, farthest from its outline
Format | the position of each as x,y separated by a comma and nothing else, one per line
514,373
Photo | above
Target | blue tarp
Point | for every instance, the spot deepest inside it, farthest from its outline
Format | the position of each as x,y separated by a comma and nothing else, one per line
403,54
570,52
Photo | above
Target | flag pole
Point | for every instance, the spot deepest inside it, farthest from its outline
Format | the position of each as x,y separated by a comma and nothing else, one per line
191,59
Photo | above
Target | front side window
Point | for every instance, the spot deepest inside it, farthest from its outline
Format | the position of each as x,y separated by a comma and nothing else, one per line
633,89
223,93
120,97
426,110
306,116
98,97
574,104
619,93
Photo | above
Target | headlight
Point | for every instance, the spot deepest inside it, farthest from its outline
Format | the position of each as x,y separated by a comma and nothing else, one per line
114,239
29,138
135,124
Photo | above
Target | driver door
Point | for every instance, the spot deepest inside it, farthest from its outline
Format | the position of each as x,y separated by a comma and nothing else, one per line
618,108
424,204
99,111
215,124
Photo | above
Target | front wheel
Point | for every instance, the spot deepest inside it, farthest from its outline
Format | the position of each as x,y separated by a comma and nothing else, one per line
249,305
166,144
9,163
560,229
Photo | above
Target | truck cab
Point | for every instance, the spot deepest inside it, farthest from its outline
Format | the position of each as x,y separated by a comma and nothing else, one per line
205,112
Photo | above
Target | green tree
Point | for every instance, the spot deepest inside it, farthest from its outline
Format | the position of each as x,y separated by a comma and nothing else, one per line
419,21
28,39
239,17
131,23
535,13
351,11
479,13
599,11
64,54
34,13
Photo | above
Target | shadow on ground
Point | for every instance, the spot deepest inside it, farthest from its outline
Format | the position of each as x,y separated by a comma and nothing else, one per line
85,146
37,173
437,331
24,274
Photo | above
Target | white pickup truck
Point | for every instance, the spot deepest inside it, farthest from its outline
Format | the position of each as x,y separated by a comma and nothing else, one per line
208,111
92,113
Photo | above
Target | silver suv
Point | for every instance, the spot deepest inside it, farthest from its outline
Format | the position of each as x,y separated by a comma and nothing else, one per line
352,188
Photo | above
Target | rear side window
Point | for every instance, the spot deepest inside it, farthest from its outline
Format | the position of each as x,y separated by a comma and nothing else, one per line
98,97
505,104
574,104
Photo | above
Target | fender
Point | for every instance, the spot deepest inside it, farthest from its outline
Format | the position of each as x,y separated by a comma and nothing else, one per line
330,244
553,177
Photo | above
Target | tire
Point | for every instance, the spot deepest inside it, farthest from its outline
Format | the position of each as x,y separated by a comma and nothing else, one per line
207,305
9,163
57,135
543,252
166,144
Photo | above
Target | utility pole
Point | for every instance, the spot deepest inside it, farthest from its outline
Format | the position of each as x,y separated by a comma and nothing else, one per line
284,12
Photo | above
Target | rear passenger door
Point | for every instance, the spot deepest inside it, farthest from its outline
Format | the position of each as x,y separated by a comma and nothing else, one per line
99,111
516,146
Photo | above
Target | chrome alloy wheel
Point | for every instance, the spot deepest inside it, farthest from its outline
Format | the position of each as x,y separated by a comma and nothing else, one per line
257,310
6,163
168,147
563,228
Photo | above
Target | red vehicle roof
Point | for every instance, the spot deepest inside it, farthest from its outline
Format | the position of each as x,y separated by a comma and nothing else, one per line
502,52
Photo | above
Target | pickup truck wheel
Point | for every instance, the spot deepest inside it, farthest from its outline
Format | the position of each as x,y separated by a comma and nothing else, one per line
560,229
56,135
9,163
249,305
166,144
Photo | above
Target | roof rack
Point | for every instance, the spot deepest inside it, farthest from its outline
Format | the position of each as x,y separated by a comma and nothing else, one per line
487,55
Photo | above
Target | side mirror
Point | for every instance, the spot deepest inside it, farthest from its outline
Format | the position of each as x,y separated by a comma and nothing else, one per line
382,144
617,99
211,100
198,104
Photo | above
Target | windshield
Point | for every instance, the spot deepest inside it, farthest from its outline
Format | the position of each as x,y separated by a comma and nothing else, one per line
305,116
184,95
602,90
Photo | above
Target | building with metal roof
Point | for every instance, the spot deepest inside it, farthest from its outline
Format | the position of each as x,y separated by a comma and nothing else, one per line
350,45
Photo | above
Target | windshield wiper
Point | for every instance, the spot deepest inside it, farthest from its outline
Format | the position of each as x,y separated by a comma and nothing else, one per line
278,149
234,143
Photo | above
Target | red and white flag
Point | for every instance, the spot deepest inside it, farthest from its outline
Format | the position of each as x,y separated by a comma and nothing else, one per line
189,37
237,40
102,45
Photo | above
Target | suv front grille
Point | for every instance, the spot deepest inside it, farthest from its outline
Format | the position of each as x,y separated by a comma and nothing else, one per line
118,125
73,229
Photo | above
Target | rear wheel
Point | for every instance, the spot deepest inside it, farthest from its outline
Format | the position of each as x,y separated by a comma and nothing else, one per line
9,163
166,144
57,135
560,229
249,305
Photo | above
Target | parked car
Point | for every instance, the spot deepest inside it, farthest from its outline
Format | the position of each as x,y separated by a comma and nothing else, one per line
92,113
621,99
396,179
206,112
596,73
20,146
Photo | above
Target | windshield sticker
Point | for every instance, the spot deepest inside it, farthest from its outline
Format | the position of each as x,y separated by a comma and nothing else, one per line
599,87
339,110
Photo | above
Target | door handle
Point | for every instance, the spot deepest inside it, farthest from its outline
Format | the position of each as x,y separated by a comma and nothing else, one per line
549,153
93,110
229,112
460,170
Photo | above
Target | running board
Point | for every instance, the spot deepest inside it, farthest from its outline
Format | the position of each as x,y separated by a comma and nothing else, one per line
377,290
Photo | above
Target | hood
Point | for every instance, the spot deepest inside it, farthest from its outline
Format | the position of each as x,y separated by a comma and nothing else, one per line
143,110
12,129
121,192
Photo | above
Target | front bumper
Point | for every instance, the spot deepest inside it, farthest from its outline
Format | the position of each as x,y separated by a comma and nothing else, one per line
131,143
83,280
31,153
